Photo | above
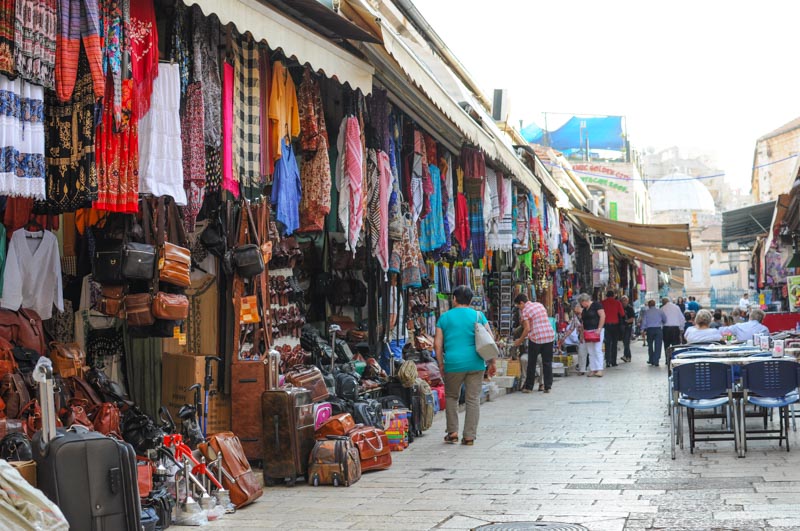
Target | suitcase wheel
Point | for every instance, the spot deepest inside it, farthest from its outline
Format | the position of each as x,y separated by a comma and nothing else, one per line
316,480
335,481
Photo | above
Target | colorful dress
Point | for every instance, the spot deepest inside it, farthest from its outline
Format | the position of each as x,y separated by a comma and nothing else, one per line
78,22
7,46
117,154
22,164
315,173
432,230
35,30
194,154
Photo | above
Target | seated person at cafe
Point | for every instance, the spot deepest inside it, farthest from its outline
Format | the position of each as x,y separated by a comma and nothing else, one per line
701,332
717,322
745,331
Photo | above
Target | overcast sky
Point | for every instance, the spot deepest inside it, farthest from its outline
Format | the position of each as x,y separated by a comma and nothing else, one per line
707,75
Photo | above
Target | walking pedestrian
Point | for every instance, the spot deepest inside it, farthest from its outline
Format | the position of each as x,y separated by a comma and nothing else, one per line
673,327
615,315
627,333
460,363
693,305
540,335
593,317
680,303
573,339
653,319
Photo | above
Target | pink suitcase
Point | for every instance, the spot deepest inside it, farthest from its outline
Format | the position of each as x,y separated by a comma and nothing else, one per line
322,412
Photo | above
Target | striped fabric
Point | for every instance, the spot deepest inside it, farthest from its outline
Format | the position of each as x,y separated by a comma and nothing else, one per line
476,224
35,30
78,20
246,117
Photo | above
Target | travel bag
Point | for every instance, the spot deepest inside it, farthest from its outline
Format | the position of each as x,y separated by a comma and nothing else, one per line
104,468
309,377
425,396
373,448
244,487
68,359
337,425
248,383
334,461
322,412
368,412
347,386
288,423
23,328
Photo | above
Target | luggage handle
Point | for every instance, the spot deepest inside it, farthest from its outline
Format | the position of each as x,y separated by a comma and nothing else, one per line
373,446
276,422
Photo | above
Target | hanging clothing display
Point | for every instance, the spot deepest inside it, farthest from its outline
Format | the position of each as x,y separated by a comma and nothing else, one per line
283,108
36,27
160,148
447,178
205,56
432,230
354,171
143,39
32,275
229,180
499,232
286,190
342,181
315,173
181,49
474,189
117,155
194,154
384,186
115,19
22,166
7,43
406,259
246,117
69,133
78,23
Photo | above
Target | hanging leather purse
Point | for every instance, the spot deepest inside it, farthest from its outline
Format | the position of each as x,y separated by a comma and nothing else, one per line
138,309
170,307
247,259
175,265
107,263
248,312
111,300
138,261
68,359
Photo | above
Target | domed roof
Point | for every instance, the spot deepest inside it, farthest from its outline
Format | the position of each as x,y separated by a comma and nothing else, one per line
679,191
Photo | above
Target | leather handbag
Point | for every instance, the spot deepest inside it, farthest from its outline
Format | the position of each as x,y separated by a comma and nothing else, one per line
591,336
247,260
175,265
484,342
24,328
240,480
112,299
138,261
107,263
75,413
144,476
170,307
82,390
31,415
68,359
105,419
430,373
138,309
373,448
14,393
7,361
309,377
337,425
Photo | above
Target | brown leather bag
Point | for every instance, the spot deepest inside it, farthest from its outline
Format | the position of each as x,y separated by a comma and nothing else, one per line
338,425
23,328
31,415
309,377
105,419
10,426
175,265
244,488
139,309
82,390
112,300
14,393
68,359
8,363
373,448
76,413
170,307
335,462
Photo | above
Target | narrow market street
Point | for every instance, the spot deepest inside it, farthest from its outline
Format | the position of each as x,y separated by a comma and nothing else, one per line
593,452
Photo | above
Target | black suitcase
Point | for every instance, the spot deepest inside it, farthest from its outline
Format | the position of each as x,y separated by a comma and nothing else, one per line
410,396
91,477
288,420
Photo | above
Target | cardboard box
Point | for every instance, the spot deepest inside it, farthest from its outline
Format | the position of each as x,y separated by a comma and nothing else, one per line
27,469
178,373
513,368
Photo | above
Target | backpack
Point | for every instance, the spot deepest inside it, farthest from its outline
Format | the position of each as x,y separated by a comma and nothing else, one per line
426,398
347,386
407,373
369,413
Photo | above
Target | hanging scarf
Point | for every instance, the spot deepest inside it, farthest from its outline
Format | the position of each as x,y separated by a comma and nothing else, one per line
143,39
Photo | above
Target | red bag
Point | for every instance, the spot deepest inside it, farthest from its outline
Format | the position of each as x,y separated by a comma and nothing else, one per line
373,448
339,425
430,373
591,336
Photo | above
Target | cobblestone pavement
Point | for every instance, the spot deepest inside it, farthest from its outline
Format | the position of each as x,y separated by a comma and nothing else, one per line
595,452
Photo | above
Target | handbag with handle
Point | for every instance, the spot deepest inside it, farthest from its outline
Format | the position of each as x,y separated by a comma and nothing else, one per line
591,336
484,341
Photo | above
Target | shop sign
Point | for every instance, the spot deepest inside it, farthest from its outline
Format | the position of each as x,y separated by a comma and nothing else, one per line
593,174
793,289
604,182
598,169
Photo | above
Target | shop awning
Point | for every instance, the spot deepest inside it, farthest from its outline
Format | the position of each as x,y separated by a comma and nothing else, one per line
744,225
673,237
781,207
281,32
654,256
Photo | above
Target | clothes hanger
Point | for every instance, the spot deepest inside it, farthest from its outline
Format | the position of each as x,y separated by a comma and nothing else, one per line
34,228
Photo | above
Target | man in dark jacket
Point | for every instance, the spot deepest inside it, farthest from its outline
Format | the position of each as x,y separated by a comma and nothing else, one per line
630,316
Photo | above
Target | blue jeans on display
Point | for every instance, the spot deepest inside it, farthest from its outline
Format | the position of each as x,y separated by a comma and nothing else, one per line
396,348
655,337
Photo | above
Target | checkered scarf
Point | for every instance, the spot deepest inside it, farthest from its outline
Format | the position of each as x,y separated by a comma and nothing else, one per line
246,117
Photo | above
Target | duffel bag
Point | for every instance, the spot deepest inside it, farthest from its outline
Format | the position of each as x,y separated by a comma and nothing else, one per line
337,425
373,448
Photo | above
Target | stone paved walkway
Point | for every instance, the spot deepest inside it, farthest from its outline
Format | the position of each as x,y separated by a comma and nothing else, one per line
594,452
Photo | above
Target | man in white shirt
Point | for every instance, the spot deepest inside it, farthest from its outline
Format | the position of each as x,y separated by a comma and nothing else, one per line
745,331
674,324
744,302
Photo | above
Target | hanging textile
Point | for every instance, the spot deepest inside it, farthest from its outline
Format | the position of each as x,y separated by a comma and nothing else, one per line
115,17
246,117
22,166
181,51
396,197
69,131
447,177
499,234
7,46
446,199
286,190
283,108
160,149
194,154
315,202
384,185
342,181
267,161
354,171
373,198
473,163
143,368
205,57
432,230
143,40
32,273
474,189
213,168
229,180
36,27
117,156
406,259
78,23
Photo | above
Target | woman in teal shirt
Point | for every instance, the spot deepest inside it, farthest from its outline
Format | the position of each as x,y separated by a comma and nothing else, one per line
460,363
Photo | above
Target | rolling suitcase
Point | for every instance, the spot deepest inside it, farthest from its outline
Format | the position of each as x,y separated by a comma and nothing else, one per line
288,436
334,461
249,379
91,477
410,396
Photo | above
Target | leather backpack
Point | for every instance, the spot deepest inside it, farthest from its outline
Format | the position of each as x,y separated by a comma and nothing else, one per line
23,328
68,359
14,393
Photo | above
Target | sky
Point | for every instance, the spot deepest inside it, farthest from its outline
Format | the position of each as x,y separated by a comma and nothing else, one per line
703,75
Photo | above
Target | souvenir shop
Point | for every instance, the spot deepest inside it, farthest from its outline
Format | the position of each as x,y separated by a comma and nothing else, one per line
201,233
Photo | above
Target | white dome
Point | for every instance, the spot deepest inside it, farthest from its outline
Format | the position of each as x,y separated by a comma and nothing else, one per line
679,191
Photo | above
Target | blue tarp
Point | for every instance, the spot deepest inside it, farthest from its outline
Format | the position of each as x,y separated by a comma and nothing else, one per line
604,133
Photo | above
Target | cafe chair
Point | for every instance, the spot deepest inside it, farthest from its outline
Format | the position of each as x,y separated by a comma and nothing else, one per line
702,385
769,384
